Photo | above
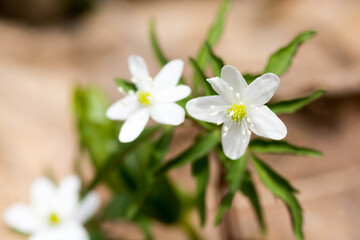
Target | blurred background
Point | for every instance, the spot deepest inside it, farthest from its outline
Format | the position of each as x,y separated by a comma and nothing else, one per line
49,46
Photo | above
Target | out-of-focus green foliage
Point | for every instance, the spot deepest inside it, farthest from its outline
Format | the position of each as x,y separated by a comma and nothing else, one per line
234,176
291,106
201,78
160,57
216,63
248,189
281,147
125,85
281,60
202,145
200,170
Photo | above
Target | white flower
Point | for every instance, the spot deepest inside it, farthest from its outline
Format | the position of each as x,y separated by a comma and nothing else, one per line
154,97
241,108
54,213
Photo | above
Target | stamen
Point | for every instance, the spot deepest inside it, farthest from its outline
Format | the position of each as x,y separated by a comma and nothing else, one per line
134,79
144,98
248,120
219,122
237,94
226,129
212,107
131,92
248,132
237,112
231,88
243,132
224,134
214,113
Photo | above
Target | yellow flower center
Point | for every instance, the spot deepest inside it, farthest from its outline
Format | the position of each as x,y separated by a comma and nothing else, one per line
144,98
54,219
237,112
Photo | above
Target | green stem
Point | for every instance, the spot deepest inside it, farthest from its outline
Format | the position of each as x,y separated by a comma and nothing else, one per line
190,230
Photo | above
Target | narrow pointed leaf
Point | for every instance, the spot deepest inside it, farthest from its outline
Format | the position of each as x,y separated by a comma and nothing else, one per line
249,191
125,85
234,177
200,170
160,57
281,60
225,205
281,147
291,106
214,33
216,63
201,147
201,78
283,190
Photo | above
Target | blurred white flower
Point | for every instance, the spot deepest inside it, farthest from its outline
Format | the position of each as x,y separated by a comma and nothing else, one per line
241,108
154,97
54,213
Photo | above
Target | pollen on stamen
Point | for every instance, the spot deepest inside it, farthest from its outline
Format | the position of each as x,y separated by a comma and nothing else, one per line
243,132
248,120
218,122
226,128
231,88
249,132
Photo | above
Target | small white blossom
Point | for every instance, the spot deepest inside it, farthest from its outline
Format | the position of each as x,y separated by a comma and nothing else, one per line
54,212
241,108
154,97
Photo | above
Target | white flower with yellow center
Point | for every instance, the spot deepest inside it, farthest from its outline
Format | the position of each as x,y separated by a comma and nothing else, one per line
154,97
241,108
54,213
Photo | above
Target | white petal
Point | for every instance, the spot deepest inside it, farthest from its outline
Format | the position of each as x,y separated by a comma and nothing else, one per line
134,125
261,90
67,198
168,113
169,75
265,123
88,207
122,109
222,88
69,231
21,218
172,94
235,140
209,109
42,194
234,79
138,68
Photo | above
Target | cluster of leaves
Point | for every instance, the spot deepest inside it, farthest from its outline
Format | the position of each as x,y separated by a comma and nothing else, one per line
132,170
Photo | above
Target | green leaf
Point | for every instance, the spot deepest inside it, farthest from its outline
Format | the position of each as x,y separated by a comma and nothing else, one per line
249,78
117,207
249,191
125,85
163,202
214,33
145,227
234,176
97,133
161,148
202,145
160,57
291,106
280,61
200,170
216,63
201,78
281,147
225,205
281,188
